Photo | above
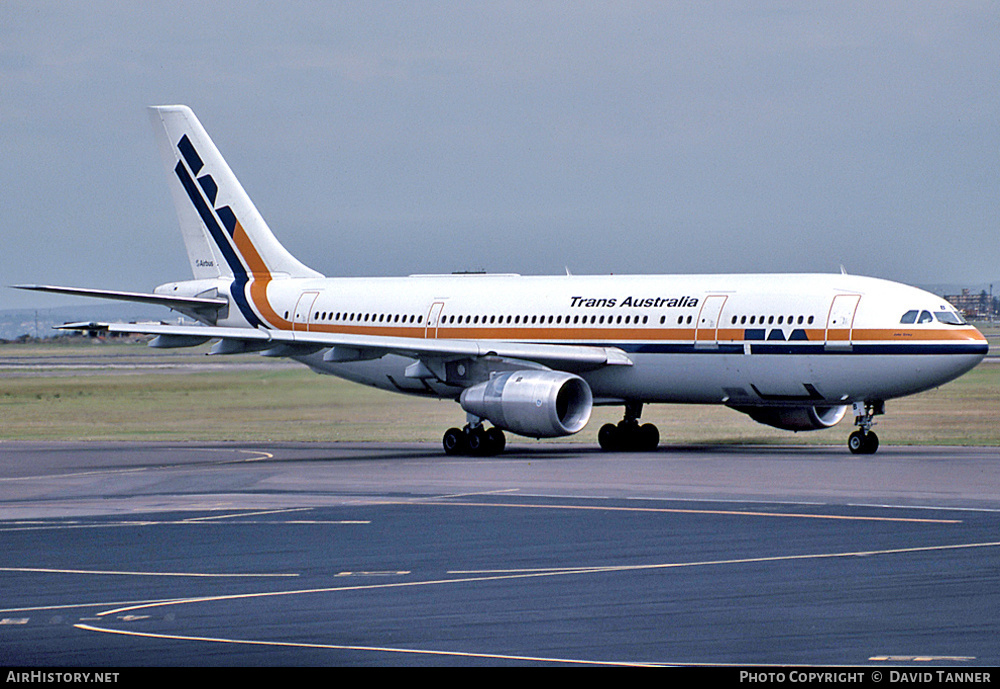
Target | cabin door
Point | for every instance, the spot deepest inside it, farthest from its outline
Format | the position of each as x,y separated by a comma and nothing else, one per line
302,315
840,322
706,331
433,318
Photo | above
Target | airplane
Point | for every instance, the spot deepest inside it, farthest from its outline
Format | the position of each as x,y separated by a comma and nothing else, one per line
532,355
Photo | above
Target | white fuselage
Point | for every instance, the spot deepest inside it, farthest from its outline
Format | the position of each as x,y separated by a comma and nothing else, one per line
732,339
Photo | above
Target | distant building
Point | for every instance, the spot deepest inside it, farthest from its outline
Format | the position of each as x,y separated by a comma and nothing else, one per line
974,306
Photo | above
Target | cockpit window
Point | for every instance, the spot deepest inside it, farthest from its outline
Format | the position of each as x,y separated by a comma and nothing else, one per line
949,317
918,316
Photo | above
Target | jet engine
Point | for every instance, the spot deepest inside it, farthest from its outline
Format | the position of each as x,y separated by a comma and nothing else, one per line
796,418
538,404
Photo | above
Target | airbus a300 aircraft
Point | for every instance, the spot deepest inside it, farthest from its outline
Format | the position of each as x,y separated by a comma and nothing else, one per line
533,355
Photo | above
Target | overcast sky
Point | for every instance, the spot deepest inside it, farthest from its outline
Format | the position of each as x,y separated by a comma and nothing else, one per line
606,137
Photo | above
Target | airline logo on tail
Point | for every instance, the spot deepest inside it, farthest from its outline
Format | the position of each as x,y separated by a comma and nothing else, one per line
245,263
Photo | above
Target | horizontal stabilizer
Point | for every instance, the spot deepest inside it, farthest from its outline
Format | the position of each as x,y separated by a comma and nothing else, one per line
191,303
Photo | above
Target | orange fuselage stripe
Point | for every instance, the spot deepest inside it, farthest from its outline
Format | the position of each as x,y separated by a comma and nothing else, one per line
260,278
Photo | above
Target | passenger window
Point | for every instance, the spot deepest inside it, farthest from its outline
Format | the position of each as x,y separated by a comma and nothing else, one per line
909,317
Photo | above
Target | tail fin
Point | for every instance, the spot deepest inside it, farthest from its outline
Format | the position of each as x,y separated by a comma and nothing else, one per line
224,233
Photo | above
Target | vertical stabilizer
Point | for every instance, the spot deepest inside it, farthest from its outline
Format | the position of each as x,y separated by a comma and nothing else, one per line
224,233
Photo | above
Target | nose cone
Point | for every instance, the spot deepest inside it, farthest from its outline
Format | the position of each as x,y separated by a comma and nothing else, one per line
970,337
970,347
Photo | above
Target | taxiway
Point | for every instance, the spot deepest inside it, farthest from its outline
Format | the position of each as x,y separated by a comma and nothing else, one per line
372,554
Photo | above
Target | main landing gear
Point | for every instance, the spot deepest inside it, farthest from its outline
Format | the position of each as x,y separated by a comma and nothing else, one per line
474,440
628,435
864,441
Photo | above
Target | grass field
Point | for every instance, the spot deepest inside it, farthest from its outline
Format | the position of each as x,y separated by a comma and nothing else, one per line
75,392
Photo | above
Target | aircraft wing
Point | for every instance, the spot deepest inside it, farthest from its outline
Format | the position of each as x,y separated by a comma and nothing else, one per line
348,347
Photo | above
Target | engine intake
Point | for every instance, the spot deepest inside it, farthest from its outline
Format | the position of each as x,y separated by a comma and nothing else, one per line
796,418
538,404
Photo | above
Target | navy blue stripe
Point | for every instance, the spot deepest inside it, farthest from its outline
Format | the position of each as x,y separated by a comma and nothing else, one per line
190,155
775,334
239,272
240,295
786,348
872,349
789,348
228,219
923,349
210,222
672,348
210,187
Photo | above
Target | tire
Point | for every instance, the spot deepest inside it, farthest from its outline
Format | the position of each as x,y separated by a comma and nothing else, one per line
607,437
496,441
871,443
477,442
649,437
856,443
455,442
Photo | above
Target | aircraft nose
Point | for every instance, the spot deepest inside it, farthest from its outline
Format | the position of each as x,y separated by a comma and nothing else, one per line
974,335
975,343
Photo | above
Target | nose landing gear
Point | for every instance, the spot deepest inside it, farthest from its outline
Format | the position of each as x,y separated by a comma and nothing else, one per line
864,441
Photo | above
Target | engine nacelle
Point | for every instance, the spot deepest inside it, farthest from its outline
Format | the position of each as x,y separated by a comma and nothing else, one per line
538,404
796,418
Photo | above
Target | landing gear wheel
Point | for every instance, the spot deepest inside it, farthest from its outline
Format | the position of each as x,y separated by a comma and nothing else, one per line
607,437
856,442
860,443
628,435
474,441
863,441
477,441
871,446
496,440
455,442
649,437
